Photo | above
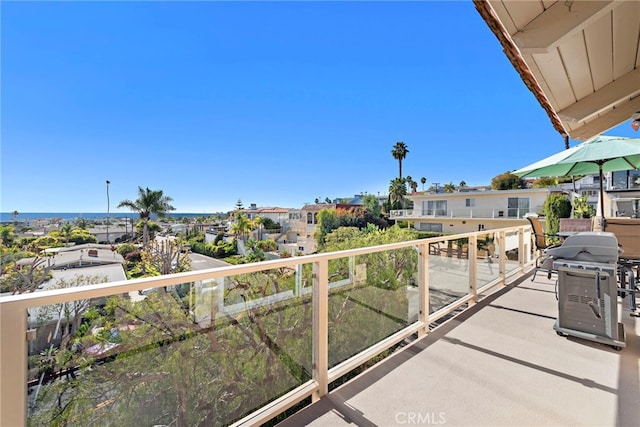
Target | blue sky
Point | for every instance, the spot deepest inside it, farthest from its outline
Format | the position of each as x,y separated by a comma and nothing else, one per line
273,103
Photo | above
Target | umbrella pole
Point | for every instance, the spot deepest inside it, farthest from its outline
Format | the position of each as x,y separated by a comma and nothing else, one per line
601,194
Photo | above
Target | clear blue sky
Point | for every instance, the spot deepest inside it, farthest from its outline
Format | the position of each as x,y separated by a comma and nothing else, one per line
273,103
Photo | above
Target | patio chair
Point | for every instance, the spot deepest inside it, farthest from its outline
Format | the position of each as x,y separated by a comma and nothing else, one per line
543,261
627,231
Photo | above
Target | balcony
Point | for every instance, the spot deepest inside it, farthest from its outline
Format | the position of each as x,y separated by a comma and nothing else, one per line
470,340
499,363
463,213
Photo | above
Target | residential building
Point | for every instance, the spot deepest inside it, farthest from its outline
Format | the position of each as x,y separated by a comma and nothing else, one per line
282,216
357,199
300,239
69,267
466,211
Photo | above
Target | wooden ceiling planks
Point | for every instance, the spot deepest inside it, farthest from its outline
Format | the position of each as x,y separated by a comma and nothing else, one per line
577,57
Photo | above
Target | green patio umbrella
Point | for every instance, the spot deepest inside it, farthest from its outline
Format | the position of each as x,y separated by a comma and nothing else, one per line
598,155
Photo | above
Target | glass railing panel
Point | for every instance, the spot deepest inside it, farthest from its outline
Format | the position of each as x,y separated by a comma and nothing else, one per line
371,302
180,355
448,272
488,268
512,243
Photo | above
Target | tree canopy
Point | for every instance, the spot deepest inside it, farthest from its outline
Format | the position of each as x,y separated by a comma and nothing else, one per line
399,152
507,181
148,202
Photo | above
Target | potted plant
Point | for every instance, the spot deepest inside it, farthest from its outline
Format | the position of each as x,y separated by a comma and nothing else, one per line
582,209
582,213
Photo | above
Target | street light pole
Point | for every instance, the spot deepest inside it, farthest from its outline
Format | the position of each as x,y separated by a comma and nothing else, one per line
108,182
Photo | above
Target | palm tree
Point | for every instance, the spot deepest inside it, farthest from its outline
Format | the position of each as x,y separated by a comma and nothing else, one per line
242,226
412,184
423,180
15,218
397,190
65,231
399,153
148,202
449,188
462,184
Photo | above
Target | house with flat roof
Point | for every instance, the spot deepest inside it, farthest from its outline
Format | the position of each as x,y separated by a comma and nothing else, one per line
463,212
74,266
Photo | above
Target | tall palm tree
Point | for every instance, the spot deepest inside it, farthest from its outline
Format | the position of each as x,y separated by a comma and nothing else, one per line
399,153
148,202
423,180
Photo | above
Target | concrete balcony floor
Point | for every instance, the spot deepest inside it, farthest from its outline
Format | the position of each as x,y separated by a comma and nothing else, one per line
499,363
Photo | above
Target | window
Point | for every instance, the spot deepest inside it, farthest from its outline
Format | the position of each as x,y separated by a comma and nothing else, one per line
625,180
470,203
517,207
309,218
434,207
427,226
480,227
619,180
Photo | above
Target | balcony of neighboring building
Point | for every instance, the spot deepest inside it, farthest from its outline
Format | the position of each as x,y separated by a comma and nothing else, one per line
505,213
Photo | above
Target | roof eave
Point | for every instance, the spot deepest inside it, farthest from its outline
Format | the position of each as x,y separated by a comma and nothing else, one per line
513,54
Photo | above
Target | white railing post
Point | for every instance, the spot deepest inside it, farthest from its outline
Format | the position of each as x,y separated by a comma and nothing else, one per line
321,328
521,249
473,269
13,366
423,287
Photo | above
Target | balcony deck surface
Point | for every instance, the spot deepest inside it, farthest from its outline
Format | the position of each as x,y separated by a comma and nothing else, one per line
499,363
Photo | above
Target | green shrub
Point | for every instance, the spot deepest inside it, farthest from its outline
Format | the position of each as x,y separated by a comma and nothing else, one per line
582,209
556,206
267,245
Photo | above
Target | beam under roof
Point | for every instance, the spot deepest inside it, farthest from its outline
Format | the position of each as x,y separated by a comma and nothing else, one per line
624,88
562,20
619,114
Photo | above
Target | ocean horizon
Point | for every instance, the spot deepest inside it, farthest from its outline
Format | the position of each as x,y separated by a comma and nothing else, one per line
32,216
